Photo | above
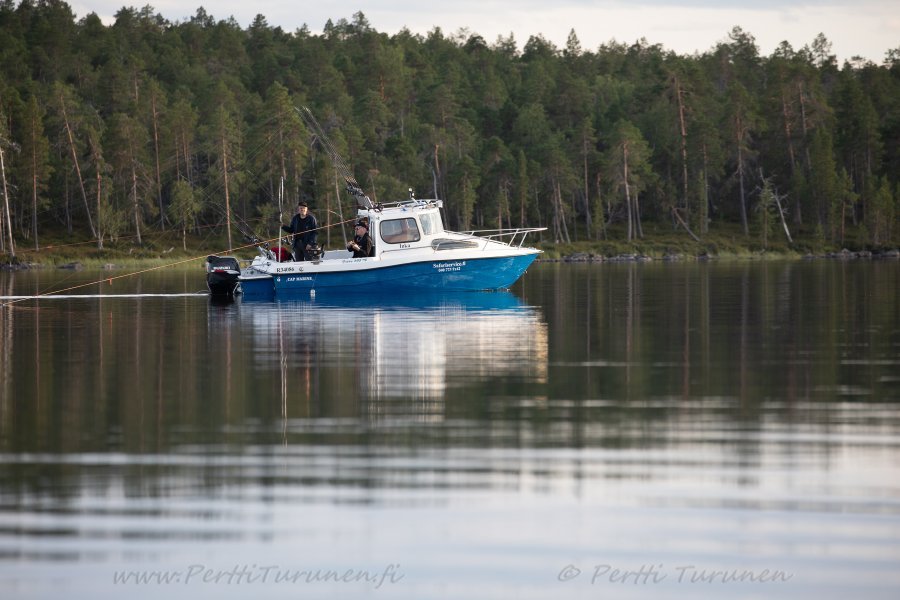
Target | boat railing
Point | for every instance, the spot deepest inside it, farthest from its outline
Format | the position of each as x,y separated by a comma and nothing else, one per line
411,203
510,237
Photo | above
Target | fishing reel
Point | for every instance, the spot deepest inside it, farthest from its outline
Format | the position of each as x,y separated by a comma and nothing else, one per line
315,252
362,201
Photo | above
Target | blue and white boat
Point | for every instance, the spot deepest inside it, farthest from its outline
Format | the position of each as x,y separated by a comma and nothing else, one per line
413,251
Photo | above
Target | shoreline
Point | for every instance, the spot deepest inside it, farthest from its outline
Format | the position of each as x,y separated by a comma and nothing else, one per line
844,254
96,264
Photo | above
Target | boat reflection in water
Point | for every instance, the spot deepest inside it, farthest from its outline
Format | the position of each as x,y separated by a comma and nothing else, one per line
400,354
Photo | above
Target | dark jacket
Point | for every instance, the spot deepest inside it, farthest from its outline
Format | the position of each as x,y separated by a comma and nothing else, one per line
304,230
366,247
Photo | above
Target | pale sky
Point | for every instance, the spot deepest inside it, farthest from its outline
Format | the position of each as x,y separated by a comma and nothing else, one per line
867,28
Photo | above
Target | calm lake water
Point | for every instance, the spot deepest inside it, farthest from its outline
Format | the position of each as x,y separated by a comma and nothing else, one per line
722,430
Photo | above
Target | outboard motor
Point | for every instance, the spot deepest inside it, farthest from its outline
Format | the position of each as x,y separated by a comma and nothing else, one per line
222,275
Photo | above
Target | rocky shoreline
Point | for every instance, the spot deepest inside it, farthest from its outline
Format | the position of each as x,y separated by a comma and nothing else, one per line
71,266
587,257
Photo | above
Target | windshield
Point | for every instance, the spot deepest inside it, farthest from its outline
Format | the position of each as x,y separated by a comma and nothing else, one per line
431,223
397,231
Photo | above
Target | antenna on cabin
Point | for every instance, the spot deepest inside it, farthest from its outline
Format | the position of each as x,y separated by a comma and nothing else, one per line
353,187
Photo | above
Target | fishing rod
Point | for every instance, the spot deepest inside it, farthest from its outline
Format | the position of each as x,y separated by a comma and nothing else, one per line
248,233
252,238
281,201
254,243
353,187
340,222
342,168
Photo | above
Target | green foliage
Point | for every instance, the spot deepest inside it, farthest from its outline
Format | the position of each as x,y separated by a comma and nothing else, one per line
884,213
185,204
823,179
629,172
767,217
130,113
34,166
112,221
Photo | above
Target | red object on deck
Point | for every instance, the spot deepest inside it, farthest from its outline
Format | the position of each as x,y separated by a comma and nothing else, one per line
282,254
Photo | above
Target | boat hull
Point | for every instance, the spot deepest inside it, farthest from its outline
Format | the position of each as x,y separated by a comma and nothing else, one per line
468,274
464,274
256,286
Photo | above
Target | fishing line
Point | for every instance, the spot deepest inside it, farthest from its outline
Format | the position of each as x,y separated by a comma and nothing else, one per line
353,186
80,296
206,193
109,280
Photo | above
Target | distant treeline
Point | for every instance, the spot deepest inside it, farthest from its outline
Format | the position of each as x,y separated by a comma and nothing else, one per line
147,124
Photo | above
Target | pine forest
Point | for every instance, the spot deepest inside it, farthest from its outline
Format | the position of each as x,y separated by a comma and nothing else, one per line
147,133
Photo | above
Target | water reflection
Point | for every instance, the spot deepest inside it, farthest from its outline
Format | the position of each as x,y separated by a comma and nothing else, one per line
391,348
723,416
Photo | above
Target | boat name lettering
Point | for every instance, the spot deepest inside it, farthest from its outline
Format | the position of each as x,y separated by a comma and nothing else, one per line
307,278
444,267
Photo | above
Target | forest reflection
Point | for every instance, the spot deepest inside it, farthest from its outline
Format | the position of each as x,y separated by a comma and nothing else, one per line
136,374
754,332
676,385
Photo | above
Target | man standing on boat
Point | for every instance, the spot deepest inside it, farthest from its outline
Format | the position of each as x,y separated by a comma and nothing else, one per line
361,245
305,230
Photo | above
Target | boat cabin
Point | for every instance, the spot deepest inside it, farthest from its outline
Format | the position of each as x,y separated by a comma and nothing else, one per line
401,226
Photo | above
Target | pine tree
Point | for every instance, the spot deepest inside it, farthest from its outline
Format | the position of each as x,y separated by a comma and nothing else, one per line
34,161
883,213
628,170
823,179
742,122
76,125
223,138
283,141
9,245
184,208
128,142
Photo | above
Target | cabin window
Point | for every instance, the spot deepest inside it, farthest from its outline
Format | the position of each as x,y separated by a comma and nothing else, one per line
431,223
398,231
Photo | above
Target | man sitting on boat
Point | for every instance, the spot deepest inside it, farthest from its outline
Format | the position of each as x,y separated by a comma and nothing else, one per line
305,230
361,245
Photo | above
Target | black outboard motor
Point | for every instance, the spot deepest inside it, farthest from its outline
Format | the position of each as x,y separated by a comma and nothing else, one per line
222,275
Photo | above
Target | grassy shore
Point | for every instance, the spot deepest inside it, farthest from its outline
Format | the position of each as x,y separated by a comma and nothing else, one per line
156,249
660,241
